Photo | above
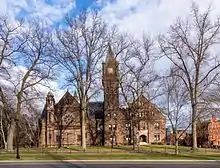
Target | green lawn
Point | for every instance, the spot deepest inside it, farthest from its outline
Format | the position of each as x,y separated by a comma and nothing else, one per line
96,153
148,148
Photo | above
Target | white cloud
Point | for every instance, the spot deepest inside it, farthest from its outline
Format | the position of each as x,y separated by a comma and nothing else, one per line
134,16
48,12
2,6
152,17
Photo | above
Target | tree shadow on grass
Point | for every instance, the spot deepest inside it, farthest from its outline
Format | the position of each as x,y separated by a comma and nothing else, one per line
162,155
62,160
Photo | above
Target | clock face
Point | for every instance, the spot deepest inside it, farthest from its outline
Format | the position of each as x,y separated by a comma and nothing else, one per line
110,70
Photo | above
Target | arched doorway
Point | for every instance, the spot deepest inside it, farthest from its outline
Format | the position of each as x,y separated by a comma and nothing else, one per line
143,138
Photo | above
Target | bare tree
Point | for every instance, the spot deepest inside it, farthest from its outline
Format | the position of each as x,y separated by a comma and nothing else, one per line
6,114
35,69
10,44
188,45
28,128
174,102
137,76
80,49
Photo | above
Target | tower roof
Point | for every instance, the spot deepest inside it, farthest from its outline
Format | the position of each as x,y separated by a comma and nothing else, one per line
110,55
49,93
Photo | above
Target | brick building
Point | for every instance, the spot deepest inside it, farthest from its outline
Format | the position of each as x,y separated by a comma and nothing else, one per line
106,122
208,133
214,131
184,137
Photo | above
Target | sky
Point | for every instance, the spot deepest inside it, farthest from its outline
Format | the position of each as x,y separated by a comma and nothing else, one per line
133,16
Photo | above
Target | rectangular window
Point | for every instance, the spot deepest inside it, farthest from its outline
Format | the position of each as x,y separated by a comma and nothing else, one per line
127,137
127,125
114,126
157,137
112,138
144,127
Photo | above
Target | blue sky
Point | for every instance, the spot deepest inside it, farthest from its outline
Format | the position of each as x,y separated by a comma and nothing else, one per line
52,11
133,16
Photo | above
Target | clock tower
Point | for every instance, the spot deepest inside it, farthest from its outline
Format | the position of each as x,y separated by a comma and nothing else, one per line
110,81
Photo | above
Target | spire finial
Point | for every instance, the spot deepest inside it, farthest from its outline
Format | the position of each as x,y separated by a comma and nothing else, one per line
49,93
110,52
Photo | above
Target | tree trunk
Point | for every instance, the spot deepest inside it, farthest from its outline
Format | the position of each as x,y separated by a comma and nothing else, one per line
17,140
17,117
2,131
10,136
194,138
194,108
83,126
135,141
194,132
148,133
176,145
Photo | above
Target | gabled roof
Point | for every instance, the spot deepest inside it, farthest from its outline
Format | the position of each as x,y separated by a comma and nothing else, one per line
144,100
67,99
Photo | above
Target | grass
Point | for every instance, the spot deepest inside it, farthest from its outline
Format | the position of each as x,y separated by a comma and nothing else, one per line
109,156
154,152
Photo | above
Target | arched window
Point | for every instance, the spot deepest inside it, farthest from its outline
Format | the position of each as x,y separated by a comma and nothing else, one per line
49,116
156,126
